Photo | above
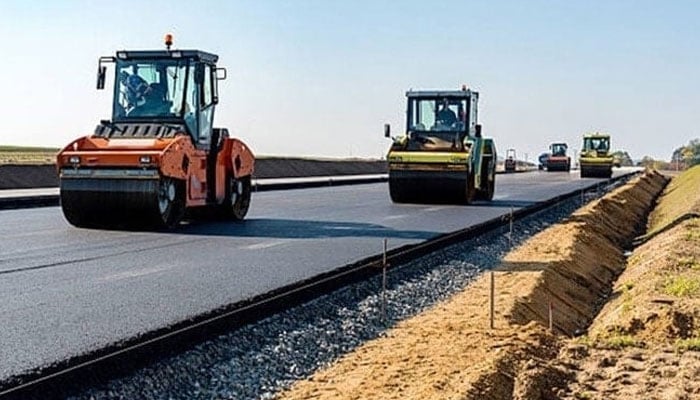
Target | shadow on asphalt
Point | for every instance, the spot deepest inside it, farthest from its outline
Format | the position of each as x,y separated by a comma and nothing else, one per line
299,229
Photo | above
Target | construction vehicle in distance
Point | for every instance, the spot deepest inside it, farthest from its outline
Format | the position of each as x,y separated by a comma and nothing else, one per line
558,160
617,160
510,162
542,161
442,157
595,159
160,155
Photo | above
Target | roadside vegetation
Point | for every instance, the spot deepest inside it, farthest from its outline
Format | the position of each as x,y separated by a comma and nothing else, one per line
682,158
27,155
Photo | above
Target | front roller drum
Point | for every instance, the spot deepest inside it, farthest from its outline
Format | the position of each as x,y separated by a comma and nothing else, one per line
105,203
409,188
596,171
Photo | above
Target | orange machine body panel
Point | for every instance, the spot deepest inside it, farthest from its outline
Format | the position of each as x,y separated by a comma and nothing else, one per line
174,157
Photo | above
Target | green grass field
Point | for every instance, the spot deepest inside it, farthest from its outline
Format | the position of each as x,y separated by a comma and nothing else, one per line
27,155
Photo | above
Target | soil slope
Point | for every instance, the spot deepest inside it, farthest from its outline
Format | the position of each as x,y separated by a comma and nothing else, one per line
644,343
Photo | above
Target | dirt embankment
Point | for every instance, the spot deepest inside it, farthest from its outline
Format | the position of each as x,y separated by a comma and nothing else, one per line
450,352
638,346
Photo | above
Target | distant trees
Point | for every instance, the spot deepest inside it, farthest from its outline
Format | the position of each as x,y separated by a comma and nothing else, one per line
687,155
623,158
682,158
649,162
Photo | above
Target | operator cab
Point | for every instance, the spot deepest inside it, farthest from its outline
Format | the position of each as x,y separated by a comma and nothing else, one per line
558,149
600,144
444,113
172,88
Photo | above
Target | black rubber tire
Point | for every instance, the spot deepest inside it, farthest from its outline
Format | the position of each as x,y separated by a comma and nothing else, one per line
170,206
470,190
236,208
488,185
490,188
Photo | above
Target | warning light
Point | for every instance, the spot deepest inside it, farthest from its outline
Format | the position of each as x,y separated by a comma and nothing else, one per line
168,40
464,88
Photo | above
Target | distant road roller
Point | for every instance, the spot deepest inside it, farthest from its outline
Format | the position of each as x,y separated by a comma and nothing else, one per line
510,163
596,159
558,160
442,157
159,157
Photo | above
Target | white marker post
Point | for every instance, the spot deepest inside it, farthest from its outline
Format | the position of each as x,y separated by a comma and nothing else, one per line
510,235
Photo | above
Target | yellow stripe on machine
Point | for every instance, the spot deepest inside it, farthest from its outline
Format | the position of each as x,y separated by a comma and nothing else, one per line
427,167
596,160
428,157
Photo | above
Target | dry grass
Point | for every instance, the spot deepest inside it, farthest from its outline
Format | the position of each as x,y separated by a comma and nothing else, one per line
679,197
692,344
27,155
619,342
682,286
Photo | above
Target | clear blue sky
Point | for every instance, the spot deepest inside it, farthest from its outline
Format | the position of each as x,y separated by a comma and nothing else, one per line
321,77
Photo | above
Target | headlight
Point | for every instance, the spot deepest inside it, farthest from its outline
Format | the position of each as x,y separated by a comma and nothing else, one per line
145,159
74,160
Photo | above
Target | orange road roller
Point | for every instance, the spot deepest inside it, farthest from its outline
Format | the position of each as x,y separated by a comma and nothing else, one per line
159,158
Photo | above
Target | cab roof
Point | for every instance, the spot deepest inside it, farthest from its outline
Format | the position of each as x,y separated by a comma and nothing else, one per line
196,55
596,135
462,94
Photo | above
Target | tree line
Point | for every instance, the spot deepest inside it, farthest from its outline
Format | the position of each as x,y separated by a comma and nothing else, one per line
682,158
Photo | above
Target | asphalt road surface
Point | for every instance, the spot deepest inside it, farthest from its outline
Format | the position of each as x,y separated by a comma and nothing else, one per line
65,291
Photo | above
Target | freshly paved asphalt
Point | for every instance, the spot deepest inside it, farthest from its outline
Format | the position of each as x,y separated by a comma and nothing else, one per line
65,291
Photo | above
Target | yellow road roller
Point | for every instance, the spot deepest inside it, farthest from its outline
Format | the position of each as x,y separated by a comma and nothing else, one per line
596,160
442,156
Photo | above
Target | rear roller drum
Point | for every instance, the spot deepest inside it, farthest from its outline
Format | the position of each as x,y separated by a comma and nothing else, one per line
170,203
237,200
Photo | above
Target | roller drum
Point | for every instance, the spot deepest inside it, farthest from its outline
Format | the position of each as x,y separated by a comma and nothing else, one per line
120,202
428,187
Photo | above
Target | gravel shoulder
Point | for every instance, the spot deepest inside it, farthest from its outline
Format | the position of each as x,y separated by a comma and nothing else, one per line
449,351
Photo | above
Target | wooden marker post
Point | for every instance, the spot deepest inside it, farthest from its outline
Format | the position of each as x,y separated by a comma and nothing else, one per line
492,300
384,265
